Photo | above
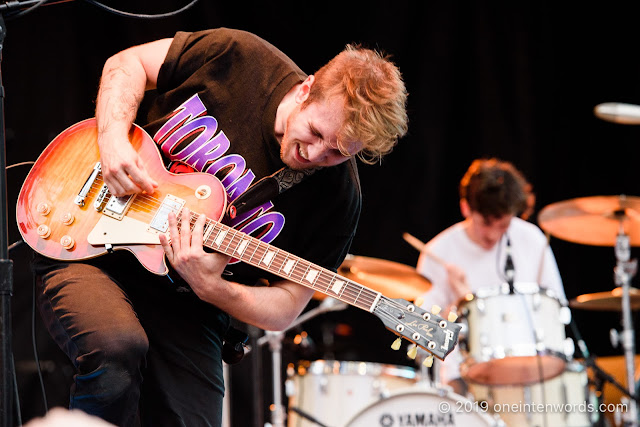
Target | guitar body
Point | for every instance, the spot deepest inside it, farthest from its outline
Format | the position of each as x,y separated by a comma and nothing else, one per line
61,221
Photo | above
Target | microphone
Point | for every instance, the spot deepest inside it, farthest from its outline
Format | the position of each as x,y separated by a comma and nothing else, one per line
509,268
618,112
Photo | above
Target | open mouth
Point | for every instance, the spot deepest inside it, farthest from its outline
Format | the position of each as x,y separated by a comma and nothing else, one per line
301,154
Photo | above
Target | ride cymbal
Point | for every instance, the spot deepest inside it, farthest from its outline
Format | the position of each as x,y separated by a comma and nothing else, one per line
606,301
593,220
392,279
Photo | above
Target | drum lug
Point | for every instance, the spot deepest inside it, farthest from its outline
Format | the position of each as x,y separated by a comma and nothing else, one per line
565,315
480,305
536,301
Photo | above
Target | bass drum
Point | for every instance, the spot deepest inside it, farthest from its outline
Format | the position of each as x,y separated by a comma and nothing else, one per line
332,391
561,401
423,407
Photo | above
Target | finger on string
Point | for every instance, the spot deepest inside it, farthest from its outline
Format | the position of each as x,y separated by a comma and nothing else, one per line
173,231
198,231
185,228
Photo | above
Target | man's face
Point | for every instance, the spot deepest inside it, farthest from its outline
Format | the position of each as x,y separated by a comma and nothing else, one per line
487,231
310,137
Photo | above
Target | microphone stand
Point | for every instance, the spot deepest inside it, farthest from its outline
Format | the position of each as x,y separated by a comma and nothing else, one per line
624,270
6,271
275,345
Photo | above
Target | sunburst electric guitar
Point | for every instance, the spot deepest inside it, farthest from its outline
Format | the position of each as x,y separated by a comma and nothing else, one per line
65,212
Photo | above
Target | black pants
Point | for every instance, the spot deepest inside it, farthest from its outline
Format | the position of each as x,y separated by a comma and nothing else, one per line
139,346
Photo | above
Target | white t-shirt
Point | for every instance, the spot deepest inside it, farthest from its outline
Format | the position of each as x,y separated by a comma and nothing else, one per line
532,258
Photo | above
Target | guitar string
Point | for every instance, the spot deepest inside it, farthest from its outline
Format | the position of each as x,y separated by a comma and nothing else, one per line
363,294
322,282
152,203
299,275
353,294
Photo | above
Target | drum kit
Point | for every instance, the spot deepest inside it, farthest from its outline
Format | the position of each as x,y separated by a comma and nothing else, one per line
530,360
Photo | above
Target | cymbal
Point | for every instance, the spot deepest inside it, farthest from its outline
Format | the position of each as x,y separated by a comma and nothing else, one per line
606,301
618,112
593,220
392,279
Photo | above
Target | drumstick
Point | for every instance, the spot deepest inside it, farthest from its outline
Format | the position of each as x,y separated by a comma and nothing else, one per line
419,245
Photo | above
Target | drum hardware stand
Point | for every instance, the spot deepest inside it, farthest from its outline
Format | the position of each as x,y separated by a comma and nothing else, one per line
624,271
6,270
274,339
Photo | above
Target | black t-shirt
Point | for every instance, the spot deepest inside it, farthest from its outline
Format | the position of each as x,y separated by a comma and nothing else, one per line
217,95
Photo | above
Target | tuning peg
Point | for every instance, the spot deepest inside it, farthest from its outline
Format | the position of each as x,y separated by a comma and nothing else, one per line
436,309
452,317
412,352
396,344
418,302
428,361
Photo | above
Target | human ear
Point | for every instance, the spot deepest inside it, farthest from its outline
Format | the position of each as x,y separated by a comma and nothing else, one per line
464,208
303,90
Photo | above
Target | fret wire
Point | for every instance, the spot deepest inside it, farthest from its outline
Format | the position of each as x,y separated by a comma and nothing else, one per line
350,291
239,241
226,251
254,252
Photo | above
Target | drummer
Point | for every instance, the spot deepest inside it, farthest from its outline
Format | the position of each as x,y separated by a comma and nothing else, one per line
495,200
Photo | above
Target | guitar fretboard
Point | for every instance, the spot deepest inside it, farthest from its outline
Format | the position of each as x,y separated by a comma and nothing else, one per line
237,244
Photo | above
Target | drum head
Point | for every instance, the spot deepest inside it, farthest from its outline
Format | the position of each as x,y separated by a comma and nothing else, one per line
514,370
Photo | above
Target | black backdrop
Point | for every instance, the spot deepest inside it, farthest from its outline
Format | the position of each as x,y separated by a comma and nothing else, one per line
515,80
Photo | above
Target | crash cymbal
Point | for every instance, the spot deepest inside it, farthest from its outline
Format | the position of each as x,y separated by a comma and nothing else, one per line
392,279
606,301
593,220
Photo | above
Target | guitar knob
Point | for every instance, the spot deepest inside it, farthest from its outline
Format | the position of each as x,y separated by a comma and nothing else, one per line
452,317
436,309
67,219
43,231
396,344
43,209
67,242
413,351
419,301
428,361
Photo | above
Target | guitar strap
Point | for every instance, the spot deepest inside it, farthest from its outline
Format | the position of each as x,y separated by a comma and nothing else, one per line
266,189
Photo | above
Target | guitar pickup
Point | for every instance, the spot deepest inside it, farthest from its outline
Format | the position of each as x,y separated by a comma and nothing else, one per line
160,221
116,207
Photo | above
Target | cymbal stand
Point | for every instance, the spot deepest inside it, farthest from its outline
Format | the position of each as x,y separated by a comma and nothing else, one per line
274,339
624,271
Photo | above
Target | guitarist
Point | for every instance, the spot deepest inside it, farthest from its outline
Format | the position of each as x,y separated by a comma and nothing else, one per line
230,104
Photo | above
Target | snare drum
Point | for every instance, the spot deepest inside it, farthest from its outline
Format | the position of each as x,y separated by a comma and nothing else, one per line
514,338
427,407
561,401
333,391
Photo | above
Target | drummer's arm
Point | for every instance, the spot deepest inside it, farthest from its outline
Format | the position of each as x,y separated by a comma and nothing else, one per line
457,280
459,386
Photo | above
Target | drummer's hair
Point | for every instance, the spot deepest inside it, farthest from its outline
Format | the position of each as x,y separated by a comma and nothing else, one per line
495,188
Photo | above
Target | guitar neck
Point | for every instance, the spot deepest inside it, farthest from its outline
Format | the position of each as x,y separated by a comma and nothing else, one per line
252,251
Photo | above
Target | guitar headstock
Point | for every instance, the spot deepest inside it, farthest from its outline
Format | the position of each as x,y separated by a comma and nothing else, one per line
426,329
